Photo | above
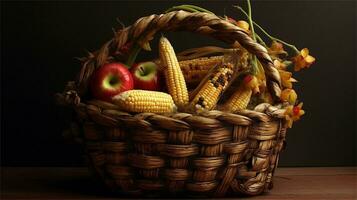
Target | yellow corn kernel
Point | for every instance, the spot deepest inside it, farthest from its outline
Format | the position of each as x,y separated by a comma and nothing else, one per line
174,78
195,70
210,92
145,101
240,99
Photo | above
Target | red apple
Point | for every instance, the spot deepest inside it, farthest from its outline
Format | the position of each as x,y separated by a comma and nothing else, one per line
110,80
146,76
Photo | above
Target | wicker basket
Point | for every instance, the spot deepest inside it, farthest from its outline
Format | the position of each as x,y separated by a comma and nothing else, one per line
213,154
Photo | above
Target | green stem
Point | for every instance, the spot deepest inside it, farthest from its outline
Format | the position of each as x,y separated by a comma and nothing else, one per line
142,71
277,39
254,58
189,8
133,54
250,20
261,40
198,8
185,8
266,33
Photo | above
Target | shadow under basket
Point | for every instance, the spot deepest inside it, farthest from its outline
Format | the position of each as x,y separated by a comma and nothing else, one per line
213,154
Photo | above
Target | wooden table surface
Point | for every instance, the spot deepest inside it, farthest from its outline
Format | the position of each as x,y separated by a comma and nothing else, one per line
76,183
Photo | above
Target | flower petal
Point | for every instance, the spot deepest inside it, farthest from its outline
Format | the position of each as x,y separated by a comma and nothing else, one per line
309,59
304,52
300,105
243,25
302,112
293,80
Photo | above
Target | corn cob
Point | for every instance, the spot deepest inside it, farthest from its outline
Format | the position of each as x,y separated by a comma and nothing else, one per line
240,99
145,101
196,69
174,78
213,87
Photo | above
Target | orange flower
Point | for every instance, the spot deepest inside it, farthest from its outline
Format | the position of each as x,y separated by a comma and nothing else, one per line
303,60
276,49
293,113
289,95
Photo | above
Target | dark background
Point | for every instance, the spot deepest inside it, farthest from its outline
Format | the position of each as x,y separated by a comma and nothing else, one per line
40,40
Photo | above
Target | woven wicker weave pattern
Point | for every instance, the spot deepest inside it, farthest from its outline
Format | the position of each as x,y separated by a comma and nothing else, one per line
208,155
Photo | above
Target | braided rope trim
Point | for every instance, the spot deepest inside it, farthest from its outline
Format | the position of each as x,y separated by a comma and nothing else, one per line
108,114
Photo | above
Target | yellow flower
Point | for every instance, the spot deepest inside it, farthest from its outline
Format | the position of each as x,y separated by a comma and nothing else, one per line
289,95
276,48
293,113
243,25
286,78
279,65
303,60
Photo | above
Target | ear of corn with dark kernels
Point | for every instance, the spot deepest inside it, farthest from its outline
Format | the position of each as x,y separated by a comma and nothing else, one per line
174,78
195,70
145,101
211,90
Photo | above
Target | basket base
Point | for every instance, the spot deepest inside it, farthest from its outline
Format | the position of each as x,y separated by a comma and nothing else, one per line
222,162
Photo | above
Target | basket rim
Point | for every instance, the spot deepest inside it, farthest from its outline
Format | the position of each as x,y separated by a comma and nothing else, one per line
108,114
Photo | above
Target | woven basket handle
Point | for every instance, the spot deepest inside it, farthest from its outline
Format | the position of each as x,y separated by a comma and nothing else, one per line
199,22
